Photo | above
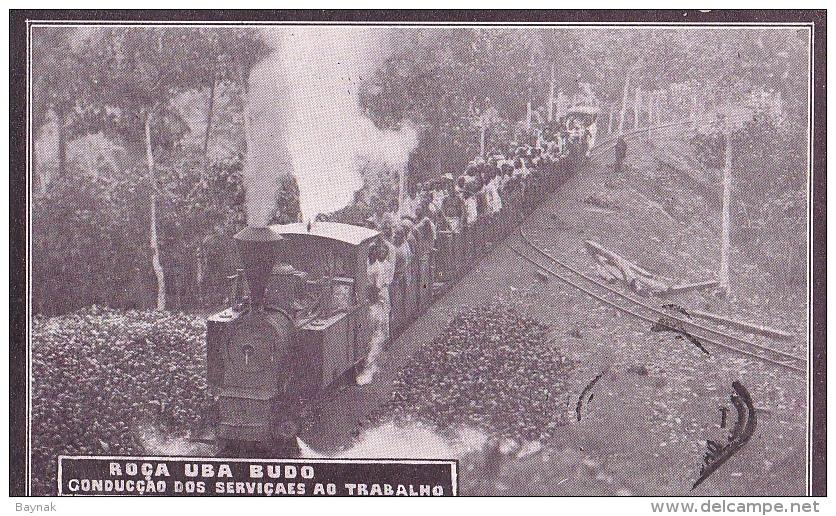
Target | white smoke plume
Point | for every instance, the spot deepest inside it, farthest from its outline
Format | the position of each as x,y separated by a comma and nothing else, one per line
157,442
305,115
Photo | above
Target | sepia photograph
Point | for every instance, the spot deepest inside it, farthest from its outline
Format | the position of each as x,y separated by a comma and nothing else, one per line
274,255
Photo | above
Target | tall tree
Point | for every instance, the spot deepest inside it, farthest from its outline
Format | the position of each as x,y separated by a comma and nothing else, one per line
145,69
61,81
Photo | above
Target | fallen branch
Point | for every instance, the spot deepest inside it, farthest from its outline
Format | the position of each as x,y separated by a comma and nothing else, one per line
656,286
687,287
742,325
612,266
606,272
595,248
606,268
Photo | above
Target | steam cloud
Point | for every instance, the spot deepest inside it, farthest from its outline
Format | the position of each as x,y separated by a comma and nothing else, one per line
305,117
411,441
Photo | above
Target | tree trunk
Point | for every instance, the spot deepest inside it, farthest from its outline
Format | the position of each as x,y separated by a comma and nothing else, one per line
38,182
637,104
199,275
402,187
208,125
62,142
438,166
724,246
155,249
624,101
528,116
699,107
246,106
551,96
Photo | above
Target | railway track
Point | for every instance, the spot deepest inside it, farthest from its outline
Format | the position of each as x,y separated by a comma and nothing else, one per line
627,304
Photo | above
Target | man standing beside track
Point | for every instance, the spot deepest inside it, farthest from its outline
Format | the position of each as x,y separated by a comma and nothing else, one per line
620,154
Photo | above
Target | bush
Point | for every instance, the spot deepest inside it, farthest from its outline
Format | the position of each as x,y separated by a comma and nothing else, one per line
103,378
491,368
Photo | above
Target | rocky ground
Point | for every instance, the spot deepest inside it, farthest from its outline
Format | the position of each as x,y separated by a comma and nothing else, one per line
659,398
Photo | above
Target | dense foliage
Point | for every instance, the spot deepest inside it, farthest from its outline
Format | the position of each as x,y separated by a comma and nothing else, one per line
106,382
91,245
769,189
491,368
97,90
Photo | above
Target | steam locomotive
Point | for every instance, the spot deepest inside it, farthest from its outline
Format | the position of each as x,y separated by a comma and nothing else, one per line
306,322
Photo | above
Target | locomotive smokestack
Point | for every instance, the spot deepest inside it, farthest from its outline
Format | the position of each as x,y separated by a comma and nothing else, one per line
259,248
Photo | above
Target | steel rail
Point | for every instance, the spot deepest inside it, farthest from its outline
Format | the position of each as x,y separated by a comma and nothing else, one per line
652,308
600,147
629,311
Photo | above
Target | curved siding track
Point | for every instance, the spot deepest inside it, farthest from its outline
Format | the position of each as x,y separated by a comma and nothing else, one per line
627,304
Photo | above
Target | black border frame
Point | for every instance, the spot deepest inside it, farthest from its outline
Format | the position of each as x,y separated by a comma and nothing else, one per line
18,454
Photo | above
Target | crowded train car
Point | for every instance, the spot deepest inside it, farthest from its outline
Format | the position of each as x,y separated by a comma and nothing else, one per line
323,299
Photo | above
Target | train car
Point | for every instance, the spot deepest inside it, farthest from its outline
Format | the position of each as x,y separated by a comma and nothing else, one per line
306,321
585,117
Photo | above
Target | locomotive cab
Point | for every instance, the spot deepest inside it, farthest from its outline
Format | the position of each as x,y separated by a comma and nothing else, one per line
332,327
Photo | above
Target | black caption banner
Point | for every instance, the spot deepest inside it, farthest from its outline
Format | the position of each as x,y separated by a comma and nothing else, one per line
191,476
